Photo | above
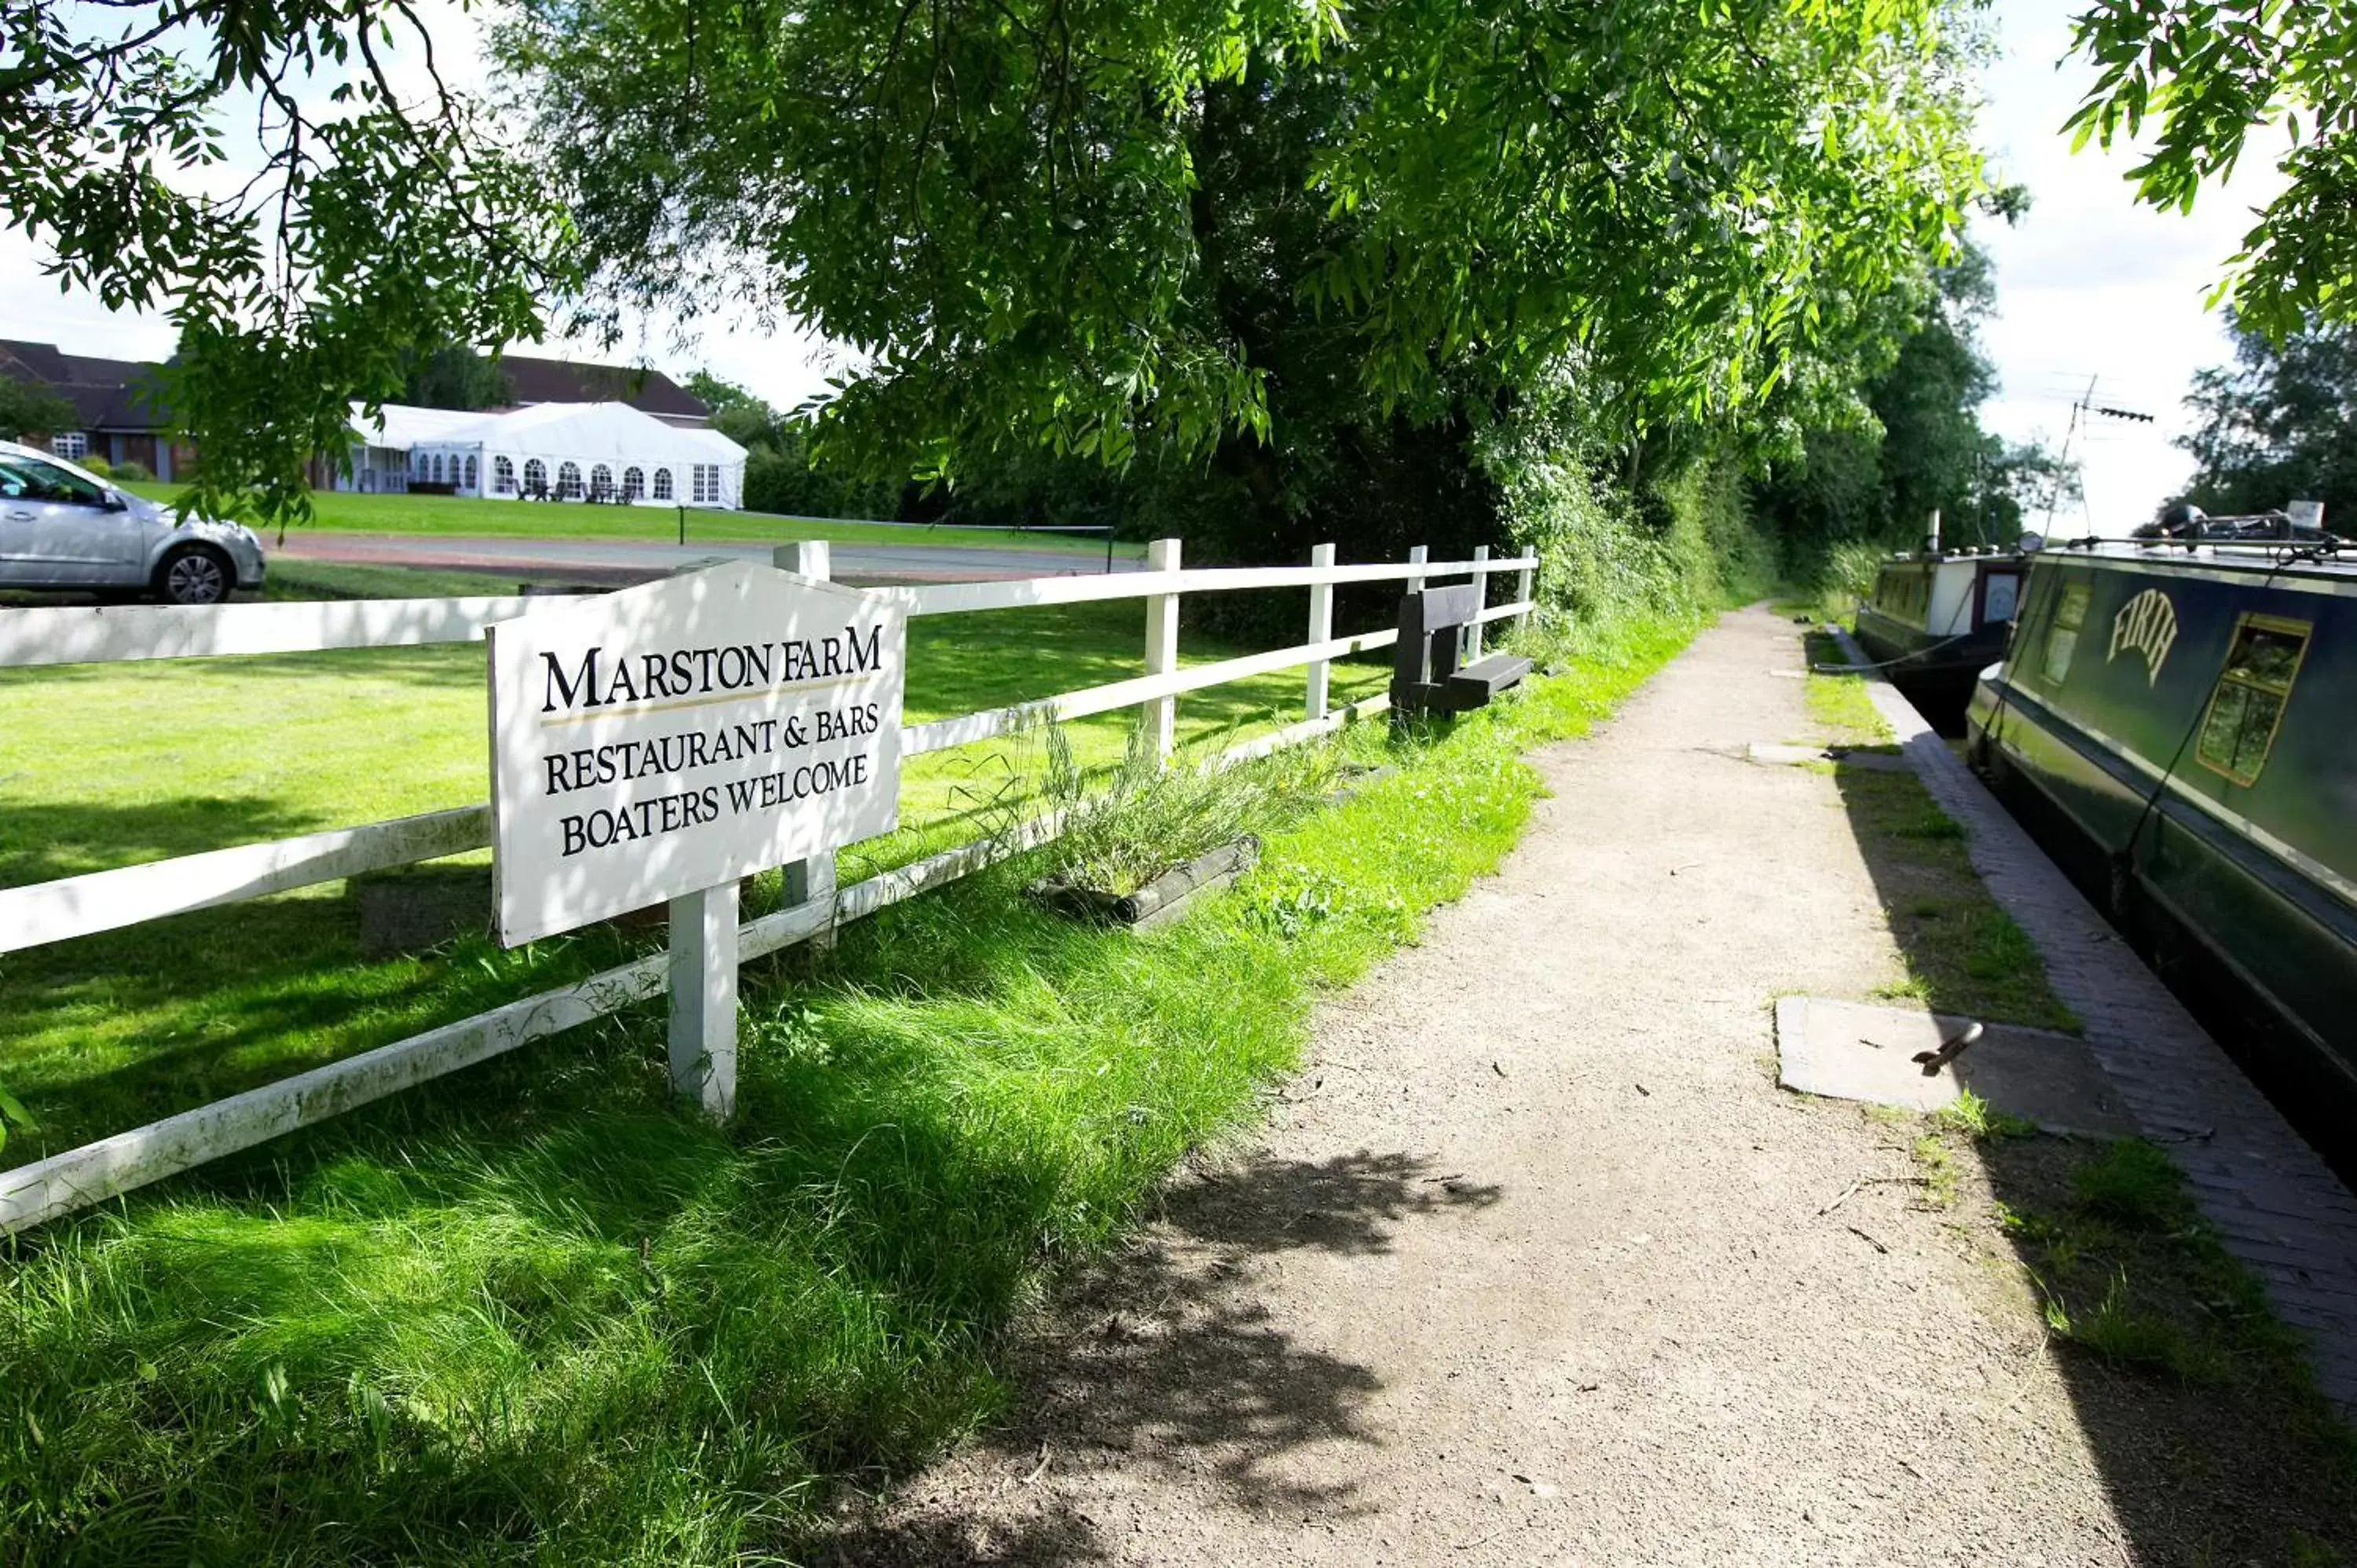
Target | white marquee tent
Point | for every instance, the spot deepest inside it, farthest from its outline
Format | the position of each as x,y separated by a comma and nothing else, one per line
550,451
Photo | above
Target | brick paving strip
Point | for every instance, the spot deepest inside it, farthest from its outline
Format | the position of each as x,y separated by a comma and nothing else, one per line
2278,1208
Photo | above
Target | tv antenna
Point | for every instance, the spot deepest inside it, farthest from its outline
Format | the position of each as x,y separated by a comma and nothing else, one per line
2088,410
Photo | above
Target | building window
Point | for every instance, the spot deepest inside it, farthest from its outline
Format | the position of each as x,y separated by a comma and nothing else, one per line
2062,636
569,481
473,474
2246,709
601,482
535,478
707,480
503,476
634,484
663,484
70,443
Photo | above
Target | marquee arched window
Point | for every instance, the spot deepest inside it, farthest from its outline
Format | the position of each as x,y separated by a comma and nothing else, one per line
434,468
569,481
663,484
473,474
601,482
535,476
634,484
503,476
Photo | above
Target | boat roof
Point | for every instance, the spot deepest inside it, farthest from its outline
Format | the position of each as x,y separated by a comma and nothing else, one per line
2333,563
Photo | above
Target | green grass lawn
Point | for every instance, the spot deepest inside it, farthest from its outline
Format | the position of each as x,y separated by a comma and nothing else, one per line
537,1314
340,512
103,766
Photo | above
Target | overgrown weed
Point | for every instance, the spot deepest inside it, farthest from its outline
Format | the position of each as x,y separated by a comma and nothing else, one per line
1127,825
2132,1274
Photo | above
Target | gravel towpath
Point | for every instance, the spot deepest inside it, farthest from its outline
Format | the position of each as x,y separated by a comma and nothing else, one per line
1536,1264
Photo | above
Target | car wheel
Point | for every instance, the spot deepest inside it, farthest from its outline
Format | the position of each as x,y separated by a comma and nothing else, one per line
193,574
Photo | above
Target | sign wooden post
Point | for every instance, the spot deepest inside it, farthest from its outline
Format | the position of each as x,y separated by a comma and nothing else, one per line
703,999
659,744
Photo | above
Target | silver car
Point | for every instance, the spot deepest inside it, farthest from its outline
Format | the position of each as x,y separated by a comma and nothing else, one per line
63,527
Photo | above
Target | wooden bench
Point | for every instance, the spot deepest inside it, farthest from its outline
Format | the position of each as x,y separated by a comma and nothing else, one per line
1426,675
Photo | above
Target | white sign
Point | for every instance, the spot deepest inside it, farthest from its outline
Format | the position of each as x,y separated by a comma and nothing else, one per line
672,738
2307,514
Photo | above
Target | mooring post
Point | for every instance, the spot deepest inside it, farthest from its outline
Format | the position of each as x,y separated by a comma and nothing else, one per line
1162,647
812,879
1480,602
1322,627
703,999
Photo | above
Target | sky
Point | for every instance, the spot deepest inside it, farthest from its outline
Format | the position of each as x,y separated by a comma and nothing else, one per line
2090,286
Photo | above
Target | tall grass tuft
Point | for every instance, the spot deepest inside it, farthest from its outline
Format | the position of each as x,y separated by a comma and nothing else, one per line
1125,826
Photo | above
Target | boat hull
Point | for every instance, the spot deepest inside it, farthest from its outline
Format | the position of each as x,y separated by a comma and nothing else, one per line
1935,673
2239,888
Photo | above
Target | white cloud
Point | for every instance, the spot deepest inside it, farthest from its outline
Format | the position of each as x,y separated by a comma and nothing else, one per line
2093,285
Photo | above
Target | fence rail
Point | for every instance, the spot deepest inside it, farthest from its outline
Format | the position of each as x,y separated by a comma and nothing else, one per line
109,900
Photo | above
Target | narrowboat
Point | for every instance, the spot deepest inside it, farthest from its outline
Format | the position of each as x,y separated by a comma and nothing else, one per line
1937,619
2179,720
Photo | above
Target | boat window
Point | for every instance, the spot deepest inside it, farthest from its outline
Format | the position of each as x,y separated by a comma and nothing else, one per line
2062,636
1998,599
2247,707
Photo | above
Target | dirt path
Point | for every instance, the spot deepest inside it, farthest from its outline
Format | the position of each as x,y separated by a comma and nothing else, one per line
1531,1265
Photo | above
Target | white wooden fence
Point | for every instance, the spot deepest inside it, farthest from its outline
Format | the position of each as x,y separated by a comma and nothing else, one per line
108,900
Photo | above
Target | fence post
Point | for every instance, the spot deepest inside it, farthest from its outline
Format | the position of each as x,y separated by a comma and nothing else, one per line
1524,581
806,880
1162,646
1416,556
703,999
1322,627
1480,600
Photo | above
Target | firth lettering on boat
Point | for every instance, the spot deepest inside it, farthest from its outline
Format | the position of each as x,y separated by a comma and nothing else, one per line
602,678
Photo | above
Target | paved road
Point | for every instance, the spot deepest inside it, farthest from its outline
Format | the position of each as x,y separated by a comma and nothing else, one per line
629,561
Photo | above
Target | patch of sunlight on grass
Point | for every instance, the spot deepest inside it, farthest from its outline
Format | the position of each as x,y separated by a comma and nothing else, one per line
340,512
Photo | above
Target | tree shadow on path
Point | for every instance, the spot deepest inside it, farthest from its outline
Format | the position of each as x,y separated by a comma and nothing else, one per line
1166,1358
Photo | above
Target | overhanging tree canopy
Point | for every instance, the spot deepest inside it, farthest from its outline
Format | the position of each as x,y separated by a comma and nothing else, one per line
262,171
2209,74
1001,203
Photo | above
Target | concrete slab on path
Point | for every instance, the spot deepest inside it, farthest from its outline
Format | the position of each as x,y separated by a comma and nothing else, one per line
1849,1050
